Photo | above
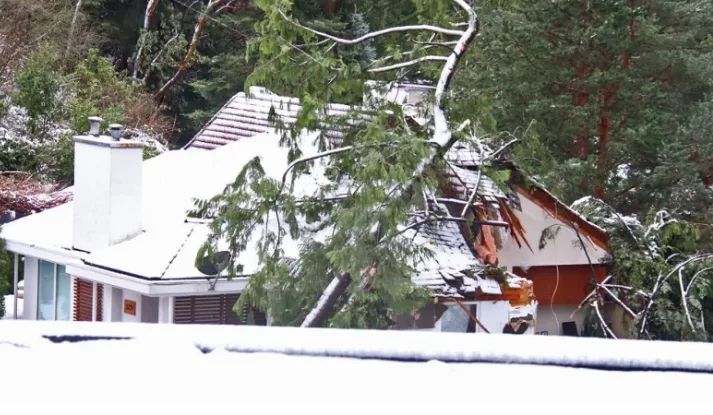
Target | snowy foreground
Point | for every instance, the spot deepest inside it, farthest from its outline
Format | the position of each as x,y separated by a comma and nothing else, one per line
219,364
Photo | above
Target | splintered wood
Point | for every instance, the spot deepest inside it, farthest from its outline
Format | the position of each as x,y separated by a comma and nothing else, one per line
22,194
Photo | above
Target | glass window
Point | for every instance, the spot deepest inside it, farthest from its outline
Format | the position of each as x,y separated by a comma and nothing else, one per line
63,303
54,299
45,302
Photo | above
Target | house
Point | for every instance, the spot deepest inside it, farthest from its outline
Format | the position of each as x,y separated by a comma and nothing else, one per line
560,269
124,248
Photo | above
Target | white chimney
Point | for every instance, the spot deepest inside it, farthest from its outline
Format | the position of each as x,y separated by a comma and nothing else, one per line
107,189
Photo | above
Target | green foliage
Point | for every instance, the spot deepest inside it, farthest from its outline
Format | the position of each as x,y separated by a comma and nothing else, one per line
38,82
98,89
609,84
56,159
655,260
17,155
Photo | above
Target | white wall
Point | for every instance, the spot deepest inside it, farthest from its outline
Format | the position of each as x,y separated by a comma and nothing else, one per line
493,315
551,320
133,296
112,307
149,309
564,250
30,293
165,310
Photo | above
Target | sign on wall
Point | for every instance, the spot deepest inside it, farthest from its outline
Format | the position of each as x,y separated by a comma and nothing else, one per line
130,307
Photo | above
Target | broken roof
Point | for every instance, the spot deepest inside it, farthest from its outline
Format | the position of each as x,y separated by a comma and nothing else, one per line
21,195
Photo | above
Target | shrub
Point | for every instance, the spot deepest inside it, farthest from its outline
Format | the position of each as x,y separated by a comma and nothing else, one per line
37,82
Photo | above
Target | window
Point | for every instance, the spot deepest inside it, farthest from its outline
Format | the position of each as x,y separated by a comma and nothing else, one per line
54,292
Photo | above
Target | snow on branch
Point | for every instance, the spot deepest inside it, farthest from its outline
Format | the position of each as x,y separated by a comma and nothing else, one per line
371,35
442,138
408,63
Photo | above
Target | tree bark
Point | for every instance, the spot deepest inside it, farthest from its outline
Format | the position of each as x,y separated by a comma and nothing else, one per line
150,10
72,27
187,61
604,139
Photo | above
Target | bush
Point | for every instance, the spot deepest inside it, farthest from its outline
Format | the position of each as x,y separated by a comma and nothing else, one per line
17,155
38,82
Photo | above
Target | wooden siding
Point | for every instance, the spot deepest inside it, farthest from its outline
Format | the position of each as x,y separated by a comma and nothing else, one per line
574,283
82,302
212,309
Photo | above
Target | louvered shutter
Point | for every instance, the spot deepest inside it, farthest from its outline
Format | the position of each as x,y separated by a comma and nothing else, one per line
82,302
211,309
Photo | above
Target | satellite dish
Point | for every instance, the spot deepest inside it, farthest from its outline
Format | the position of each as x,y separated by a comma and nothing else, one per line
216,264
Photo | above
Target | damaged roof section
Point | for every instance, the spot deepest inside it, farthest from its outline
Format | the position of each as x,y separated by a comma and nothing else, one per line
22,195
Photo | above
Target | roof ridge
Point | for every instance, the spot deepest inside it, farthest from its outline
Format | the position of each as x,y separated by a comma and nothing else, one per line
178,251
210,122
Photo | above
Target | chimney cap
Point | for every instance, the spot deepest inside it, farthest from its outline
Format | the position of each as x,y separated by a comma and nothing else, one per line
115,130
94,123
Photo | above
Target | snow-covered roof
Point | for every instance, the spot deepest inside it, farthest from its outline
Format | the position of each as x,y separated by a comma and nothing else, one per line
246,115
168,245
452,270
178,365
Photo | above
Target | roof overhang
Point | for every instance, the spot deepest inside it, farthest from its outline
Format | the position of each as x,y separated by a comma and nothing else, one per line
76,267
154,288
51,254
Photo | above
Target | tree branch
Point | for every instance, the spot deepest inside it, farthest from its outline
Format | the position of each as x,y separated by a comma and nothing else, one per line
72,26
150,9
408,63
407,28
443,138
187,61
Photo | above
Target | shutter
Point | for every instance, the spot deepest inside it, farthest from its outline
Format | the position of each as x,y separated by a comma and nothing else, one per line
82,302
211,309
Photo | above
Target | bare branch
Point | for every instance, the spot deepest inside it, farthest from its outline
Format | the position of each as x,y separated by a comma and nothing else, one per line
188,59
408,63
475,188
621,303
601,320
683,300
72,26
690,283
659,282
407,28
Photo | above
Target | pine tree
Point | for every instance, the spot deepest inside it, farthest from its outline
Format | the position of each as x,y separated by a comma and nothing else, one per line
608,84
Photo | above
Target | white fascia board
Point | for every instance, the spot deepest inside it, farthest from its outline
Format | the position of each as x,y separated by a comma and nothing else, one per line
55,255
154,288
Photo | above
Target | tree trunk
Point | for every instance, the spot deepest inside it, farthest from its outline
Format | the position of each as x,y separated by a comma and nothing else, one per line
150,10
604,139
72,27
442,141
187,61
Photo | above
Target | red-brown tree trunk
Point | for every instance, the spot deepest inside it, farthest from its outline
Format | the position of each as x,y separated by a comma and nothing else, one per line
604,138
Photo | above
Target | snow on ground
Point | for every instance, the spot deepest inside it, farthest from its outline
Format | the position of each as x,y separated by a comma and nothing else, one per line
221,364
9,308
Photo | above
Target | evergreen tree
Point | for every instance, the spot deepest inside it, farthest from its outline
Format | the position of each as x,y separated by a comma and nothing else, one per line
608,84
386,165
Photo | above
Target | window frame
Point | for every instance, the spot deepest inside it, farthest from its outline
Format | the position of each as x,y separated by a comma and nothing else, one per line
55,280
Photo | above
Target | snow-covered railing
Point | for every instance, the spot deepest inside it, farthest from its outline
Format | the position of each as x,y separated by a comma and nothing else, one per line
222,364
